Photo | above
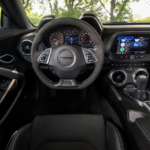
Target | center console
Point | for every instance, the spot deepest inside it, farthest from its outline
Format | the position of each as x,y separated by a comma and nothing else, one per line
129,54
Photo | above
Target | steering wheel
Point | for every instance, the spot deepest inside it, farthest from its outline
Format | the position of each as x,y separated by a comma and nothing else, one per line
67,60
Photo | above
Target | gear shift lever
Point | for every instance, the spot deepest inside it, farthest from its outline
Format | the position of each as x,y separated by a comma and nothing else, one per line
138,93
142,81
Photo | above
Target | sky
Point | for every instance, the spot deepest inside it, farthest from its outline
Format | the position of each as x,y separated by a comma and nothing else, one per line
142,8
139,9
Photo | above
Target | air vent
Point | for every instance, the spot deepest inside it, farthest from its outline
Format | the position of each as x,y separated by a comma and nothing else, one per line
25,47
118,77
140,71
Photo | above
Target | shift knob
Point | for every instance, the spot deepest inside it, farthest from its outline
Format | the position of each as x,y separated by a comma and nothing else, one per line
142,81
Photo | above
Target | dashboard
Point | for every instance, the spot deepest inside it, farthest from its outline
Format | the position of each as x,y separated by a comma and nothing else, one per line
70,36
127,48
124,45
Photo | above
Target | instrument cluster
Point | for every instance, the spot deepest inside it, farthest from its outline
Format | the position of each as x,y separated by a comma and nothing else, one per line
73,36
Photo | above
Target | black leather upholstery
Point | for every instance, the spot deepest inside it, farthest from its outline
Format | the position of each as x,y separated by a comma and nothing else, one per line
142,132
65,132
115,139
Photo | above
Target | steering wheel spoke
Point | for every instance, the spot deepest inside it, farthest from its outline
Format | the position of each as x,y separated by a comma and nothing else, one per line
89,55
66,83
44,57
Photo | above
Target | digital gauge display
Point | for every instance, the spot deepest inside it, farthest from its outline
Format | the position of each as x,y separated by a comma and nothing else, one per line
71,39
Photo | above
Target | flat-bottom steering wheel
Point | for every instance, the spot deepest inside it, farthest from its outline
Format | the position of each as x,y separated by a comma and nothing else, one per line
67,60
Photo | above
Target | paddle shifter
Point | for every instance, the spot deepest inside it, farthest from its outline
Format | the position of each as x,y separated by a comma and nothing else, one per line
140,92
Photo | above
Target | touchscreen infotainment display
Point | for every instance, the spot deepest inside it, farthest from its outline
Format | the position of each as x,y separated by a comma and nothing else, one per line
71,39
131,45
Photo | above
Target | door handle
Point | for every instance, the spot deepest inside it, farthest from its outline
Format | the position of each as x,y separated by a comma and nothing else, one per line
7,59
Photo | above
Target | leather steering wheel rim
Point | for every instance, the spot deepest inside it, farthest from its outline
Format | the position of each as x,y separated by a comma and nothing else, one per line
49,27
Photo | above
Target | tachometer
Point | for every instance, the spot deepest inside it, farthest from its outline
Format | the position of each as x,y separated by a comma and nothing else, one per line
56,39
86,38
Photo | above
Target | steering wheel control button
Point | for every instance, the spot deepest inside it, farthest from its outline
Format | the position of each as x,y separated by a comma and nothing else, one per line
66,58
45,56
89,56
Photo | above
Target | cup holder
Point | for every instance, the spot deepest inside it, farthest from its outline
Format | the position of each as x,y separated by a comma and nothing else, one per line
7,59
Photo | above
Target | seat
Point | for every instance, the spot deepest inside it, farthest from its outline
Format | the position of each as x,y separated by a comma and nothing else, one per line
68,132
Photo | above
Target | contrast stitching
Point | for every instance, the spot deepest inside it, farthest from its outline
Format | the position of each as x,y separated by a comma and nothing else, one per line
118,135
17,135
12,137
142,131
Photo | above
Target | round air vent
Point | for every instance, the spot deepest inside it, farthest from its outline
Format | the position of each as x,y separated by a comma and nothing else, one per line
118,77
140,71
25,47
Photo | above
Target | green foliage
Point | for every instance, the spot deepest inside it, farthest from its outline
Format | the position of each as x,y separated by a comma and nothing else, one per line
27,4
119,10
34,17
142,20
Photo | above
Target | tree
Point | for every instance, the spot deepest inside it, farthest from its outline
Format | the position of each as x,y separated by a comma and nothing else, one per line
119,9
75,8
27,4
54,10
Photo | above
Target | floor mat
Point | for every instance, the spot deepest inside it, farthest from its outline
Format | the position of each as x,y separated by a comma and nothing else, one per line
68,102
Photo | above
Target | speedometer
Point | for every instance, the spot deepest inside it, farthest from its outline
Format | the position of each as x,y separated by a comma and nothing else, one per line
56,39
86,39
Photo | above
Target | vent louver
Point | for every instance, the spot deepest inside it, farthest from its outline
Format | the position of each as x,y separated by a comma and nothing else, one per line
25,47
118,77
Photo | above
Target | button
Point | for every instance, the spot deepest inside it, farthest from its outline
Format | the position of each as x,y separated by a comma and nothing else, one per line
89,56
126,57
43,58
116,65
91,60
142,56
130,86
132,57
136,56
87,52
121,57
129,69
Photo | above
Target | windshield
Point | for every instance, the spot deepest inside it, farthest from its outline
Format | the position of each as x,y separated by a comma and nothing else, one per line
108,11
